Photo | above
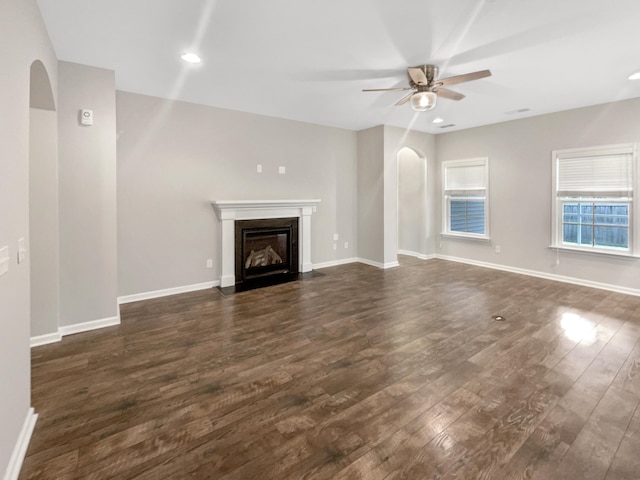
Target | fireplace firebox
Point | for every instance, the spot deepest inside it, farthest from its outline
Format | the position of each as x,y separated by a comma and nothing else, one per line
265,249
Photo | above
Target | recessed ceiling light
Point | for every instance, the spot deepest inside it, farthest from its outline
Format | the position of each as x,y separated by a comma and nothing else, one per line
190,57
635,76
438,120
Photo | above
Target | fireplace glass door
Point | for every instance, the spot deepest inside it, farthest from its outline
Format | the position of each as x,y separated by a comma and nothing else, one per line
266,247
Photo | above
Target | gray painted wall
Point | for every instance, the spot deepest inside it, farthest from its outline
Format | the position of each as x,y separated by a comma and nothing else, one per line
390,215
23,40
43,221
174,158
370,190
87,172
519,155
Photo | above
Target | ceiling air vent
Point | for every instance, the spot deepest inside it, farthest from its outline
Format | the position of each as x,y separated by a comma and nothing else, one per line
520,110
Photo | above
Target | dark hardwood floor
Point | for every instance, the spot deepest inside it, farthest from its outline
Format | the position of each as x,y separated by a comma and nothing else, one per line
357,374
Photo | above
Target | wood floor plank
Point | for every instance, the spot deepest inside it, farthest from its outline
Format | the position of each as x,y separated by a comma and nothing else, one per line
626,463
359,373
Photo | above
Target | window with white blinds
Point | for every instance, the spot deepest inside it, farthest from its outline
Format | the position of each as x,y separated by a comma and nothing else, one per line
593,199
462,176
605,173
465,190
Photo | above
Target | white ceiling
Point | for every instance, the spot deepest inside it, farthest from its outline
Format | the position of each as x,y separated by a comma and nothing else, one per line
308,60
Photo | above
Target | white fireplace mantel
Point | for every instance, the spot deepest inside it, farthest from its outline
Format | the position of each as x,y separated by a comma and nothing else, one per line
229,211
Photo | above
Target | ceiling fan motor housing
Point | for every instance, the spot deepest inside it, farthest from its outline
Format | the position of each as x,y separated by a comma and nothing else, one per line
430,72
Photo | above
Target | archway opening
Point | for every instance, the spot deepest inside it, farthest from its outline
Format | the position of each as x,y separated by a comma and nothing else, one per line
412,203
43,207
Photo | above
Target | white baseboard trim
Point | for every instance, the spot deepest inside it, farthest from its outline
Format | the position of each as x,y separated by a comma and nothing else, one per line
421,256
166,292
88,326
546,276
45,339
20,449
378,264
111,321
65,330
334,263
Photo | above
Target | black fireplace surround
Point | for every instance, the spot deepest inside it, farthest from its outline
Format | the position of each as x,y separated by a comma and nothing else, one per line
266,249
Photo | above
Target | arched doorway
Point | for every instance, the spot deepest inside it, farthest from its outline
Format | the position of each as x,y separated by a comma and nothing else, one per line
412,203
43,208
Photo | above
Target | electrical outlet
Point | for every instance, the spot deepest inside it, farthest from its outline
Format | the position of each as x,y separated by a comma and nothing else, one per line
259,168
335,246
336,237
346,244
4,260
209,263
498,249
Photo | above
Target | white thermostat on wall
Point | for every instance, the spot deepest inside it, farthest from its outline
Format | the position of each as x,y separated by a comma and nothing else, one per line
86,117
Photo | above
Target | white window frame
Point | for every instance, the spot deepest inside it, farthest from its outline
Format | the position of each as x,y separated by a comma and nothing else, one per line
599,195
479,187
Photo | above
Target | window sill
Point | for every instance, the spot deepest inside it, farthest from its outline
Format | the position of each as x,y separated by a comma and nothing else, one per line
462,236
612,253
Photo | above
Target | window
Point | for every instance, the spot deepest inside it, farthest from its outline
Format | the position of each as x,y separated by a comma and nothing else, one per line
593,204
465,205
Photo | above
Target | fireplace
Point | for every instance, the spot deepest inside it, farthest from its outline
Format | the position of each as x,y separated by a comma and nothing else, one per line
230,212
265,248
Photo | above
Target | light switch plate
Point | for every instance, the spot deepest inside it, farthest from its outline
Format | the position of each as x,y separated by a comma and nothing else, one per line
22,250
282,170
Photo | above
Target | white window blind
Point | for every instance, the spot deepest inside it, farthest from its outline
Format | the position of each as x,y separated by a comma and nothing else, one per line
467,176
465,185
605,175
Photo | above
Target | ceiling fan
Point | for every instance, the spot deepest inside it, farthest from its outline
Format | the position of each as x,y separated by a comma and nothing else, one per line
426,87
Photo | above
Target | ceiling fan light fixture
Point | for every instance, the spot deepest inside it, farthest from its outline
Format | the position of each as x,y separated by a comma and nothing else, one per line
423,101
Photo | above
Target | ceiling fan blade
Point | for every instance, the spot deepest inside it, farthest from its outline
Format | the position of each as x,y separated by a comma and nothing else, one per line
450,94
399,89
467,77
418,76
404,99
